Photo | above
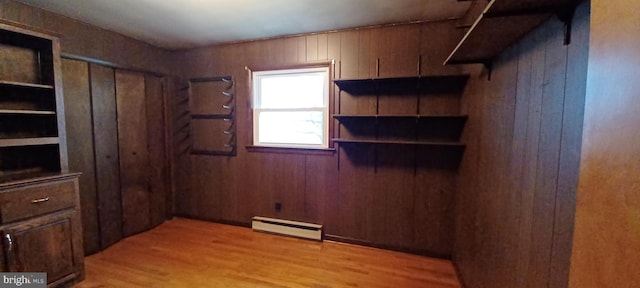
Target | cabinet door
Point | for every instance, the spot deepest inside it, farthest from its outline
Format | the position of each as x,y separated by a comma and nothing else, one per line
134,153
44,244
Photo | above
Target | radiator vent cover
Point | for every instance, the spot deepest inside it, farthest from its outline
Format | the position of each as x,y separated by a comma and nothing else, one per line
286,227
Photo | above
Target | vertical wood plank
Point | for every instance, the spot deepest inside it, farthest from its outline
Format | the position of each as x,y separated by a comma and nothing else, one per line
398,54
134,153
78,116
548,160
105,139
312,48
323,46
349,50
290,50
302,49
568,171
433,210
366,61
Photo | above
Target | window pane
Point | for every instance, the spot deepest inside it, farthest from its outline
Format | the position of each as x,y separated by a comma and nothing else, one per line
300,127
305,90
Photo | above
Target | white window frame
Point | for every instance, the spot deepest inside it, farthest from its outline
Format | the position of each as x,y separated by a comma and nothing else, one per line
256,89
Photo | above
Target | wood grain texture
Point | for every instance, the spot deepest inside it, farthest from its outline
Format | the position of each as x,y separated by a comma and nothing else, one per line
397,49
158,182
105,138
607,227
77,93
513,207
238,257
134,153
361,193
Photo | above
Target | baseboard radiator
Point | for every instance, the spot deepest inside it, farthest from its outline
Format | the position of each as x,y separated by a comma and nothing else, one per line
286,227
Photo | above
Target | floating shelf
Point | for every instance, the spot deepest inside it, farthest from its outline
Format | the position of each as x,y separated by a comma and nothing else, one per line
15,142
401,85
503,23
25,85
399,142
26,112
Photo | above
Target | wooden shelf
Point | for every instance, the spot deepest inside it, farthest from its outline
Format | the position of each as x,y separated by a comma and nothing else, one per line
397,116
25,85
399,142
28,141
511,7
26,112
211,116
400,85
503,23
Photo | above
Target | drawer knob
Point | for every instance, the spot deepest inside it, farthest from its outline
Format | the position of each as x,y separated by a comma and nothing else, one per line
36,201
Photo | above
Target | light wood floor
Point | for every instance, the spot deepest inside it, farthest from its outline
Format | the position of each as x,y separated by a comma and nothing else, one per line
189,253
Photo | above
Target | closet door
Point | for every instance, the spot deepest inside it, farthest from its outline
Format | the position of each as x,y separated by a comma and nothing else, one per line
105,141
77,102
154,91
134,154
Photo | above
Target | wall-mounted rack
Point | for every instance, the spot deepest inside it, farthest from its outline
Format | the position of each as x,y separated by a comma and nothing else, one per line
213,122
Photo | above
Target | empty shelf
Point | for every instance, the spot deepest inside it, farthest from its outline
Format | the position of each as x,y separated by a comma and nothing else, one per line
28,141
399,142
26,85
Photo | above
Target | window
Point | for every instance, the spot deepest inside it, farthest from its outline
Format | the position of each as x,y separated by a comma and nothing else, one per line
291,108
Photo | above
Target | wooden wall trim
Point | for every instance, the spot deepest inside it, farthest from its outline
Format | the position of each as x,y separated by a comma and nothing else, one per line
421,252
109,64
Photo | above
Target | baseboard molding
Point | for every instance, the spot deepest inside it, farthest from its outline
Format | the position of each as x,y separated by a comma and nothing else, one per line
353,241
215,220
458,274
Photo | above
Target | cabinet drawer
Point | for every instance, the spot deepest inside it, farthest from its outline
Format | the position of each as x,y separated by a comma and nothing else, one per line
24,202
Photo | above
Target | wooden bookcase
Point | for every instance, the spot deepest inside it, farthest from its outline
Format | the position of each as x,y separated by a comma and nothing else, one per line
32,138
39,198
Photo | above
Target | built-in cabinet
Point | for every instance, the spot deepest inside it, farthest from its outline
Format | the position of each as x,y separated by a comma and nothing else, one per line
41,228
40,220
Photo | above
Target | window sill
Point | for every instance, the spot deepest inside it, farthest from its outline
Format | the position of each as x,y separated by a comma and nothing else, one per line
292,150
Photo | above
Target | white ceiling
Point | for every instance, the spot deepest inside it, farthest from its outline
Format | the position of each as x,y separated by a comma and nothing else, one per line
175,24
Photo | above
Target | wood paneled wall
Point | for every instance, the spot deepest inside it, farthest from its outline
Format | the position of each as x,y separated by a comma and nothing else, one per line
518,178
387,202
606,249
81,39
